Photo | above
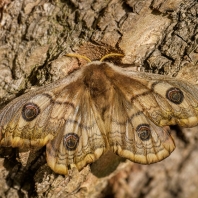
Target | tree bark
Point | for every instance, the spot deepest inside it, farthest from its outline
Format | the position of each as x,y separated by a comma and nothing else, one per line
154,36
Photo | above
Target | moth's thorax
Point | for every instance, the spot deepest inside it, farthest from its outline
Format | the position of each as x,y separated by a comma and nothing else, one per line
95,78
98,84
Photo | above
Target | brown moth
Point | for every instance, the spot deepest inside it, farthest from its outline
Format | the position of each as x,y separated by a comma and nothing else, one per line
98,108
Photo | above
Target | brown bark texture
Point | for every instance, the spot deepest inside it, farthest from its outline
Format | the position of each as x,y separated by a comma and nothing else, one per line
154,36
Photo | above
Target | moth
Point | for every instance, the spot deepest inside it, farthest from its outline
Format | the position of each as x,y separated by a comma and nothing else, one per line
98,108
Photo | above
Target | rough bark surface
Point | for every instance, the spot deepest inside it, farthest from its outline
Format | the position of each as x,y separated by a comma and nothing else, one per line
154,35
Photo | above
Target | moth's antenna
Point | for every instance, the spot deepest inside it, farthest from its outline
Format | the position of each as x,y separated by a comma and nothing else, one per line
78,56
102,59
109,55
